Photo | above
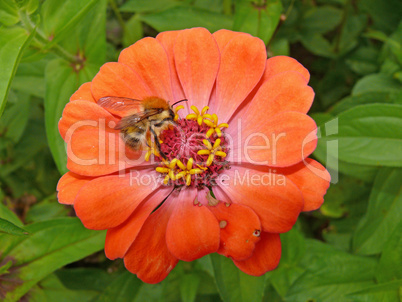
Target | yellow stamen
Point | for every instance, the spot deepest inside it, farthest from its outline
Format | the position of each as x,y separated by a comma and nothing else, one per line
188,180
211,151
197,116
207,143
203,152
162,170
203,168
204,110
220,153
195,109
215,127
181,165
188,170
176,116
169,170
210,159
210,132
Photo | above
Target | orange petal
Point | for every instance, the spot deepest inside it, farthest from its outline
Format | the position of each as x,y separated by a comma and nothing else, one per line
148,58
69,185
192,231
94,148
274,198
83,93
287,91
312,179
120,238
242,65
197,60
240,229
149,257
115,79
279,64
168,39
84,113
108,201
223,36
280,141
265,258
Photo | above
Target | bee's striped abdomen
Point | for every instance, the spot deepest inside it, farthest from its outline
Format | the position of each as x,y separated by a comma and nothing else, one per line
134,136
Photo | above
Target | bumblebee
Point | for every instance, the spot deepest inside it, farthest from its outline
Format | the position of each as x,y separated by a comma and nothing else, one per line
141,119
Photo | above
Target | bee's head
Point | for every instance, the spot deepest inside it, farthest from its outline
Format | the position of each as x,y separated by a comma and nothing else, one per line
171,113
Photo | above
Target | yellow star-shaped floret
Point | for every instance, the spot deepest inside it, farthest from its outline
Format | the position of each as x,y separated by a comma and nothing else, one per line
197,116
214,126
212,151
188,170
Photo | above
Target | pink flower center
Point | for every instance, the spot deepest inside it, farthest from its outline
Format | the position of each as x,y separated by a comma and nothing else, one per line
195,149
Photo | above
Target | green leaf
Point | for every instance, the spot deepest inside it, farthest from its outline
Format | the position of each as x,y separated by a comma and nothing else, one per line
9,215
257,20
330,274
93,279
334,164
122,289
189,287
141,6
233,284
366,135
317,44
362,99
133,31
10,228
61,83
289,270
52,289
30,6
8,13
279,47
364,60
383,213
88,40
353,26
339,197
376,83
47,209
15,118
59,18
150,292
321,19
34,142
53,244
384,13
388,292
13,42
185,17
391,254
30,84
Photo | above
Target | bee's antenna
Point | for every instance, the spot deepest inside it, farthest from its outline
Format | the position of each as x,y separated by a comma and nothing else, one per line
185,100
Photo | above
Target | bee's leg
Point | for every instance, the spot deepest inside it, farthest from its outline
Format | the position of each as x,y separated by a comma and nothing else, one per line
148,140
158,145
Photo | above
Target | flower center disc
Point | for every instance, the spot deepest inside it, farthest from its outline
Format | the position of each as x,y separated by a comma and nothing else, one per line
196,149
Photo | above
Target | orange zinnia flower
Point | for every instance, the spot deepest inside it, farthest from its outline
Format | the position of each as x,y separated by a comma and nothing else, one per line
235,173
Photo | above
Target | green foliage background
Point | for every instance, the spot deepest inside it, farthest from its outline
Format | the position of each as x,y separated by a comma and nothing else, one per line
349,250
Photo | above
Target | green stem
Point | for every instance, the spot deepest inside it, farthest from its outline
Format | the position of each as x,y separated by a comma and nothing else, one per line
41,39
117,13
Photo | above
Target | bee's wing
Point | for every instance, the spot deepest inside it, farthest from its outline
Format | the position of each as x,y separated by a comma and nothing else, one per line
119,105
131,120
